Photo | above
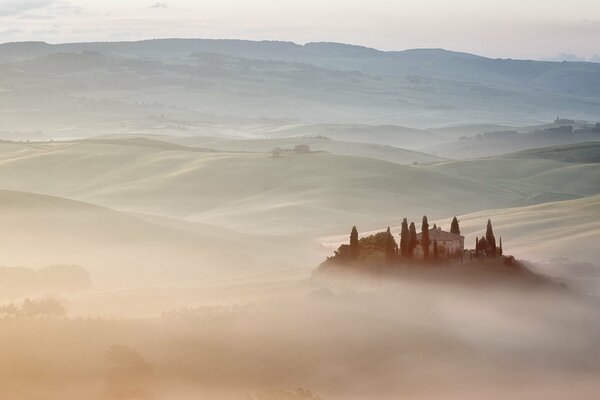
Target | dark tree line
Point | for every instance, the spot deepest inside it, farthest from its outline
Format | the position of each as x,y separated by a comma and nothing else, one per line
385,242
487,244
381,248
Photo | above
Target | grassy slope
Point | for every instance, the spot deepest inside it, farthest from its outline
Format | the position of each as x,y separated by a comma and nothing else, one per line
376,151
541,232
588,152
250,192
394,135
295,193
120,250
534,178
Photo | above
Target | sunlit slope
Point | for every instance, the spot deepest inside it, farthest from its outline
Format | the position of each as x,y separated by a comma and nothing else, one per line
563,229
376,151
537,179
394,135
521,142
569,229
575,153
254,192
250,192
120,250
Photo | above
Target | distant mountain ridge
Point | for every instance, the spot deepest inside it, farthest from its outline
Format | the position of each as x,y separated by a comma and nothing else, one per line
428,62
320,82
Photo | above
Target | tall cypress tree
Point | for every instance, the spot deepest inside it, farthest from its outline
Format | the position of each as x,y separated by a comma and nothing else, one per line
404,238
500,251
476,245
413,239
390,246
454,228
489,237
354,248
425,238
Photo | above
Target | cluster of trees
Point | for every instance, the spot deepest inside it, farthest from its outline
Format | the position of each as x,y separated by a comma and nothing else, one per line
363,250
299,149
486,245
408,239
381,248
48,307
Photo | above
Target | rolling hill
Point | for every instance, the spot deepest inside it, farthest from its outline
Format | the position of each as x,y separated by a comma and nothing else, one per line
321,144
242,191
588,152
120,250
542,232
255,193
538,180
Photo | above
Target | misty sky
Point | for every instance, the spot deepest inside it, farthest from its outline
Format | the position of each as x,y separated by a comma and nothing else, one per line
497,28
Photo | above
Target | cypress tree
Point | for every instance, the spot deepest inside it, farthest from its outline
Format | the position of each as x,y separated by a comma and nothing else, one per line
413,240
476,245
489,237
390,246
454,228
354,248
425,238
404,238
500,251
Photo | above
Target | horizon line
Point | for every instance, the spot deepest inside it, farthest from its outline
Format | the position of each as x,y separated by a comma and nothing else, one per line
366,47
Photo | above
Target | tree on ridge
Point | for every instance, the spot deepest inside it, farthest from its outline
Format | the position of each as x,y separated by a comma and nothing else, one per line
404,238
489,237
354,248
425,238
454,228
391,247
413,240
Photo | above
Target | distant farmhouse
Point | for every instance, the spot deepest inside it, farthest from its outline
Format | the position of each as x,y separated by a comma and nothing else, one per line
302,148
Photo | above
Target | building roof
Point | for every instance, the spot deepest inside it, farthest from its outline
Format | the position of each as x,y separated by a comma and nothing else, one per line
440,235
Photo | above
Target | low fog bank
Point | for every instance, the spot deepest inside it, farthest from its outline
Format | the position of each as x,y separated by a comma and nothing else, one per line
20,281
415,338
578,276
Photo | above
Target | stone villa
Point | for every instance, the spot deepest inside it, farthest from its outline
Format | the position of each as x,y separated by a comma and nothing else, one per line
448,243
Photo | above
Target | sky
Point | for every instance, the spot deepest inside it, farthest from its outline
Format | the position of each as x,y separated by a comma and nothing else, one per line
534,29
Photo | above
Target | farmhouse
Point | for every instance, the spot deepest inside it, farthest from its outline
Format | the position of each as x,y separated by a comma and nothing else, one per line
429,247
448,243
